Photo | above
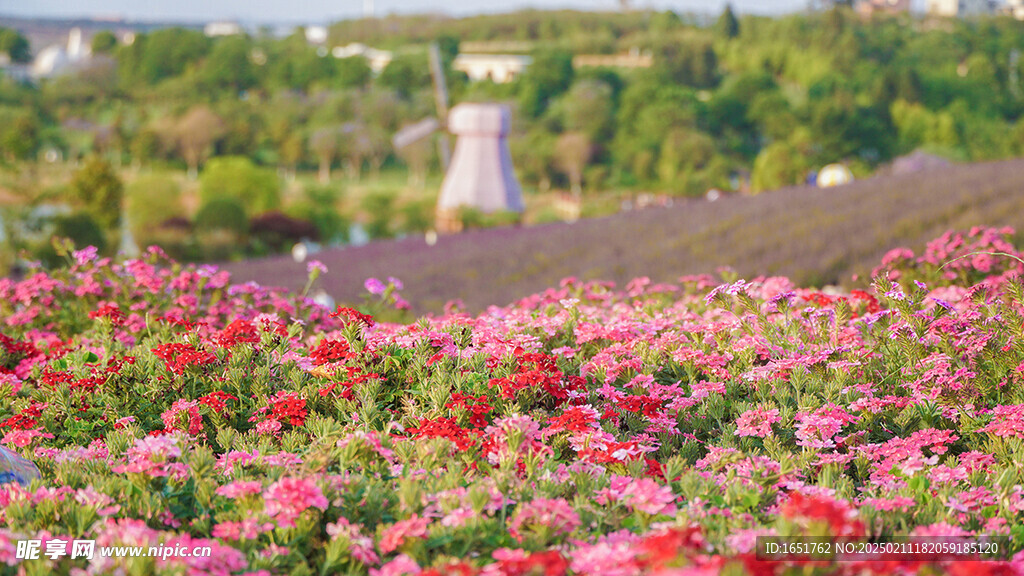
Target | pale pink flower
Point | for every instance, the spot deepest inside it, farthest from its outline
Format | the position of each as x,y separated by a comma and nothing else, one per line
400,566
555,514
395,535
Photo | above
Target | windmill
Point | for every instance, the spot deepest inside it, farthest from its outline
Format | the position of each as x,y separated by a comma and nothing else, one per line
415,134
479,174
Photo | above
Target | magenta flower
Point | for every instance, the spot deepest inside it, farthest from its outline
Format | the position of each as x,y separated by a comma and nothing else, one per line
396,534
374,286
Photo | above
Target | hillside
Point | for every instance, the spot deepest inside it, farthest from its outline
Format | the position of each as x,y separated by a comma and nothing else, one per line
814,236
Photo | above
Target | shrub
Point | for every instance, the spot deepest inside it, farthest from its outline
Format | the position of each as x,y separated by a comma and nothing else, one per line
257,189
278,232
151,200
100,190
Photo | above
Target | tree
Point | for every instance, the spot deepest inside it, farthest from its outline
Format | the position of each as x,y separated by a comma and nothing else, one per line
195,133
19,140
228,67
572,153
14,45
103,42
588,107
151,200
727,26
406,74
100,190
549,75
258,189
690,61
778,165
324,144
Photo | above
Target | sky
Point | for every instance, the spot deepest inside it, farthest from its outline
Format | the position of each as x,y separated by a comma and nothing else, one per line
326,11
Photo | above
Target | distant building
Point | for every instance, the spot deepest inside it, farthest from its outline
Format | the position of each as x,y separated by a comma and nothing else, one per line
1014,8
56,59
498,68
959,8
223,28
316,34
634,59
872,7
378,59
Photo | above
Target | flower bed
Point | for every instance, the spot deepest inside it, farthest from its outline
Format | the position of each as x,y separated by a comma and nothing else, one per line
585,430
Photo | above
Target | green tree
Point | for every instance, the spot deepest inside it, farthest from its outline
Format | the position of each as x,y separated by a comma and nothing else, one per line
103,42
228,67
549,75
780,164
98,187
14,45
151,200
256,188
406,74
727,25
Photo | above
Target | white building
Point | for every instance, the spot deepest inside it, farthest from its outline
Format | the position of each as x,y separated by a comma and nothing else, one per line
959,8
56,59
378,59
316,34
498,68
223,28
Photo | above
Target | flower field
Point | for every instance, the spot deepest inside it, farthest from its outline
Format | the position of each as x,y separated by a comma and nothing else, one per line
592,430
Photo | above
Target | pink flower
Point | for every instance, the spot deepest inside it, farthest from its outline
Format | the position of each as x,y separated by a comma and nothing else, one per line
757,422
288,497
395,535
400,566
248,529
360,545
1007,420
554,514
239,488
183,415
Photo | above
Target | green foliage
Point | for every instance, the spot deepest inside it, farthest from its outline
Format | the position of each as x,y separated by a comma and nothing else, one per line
228,67
320,207
100,190
151,200
14,45
257,189
103,42
223,213
379,209
162,54
549,75
81,228
727,26
406,74
19,134
778,165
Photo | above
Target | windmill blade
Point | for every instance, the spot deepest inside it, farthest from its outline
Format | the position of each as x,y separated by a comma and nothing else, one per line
441,99
415,132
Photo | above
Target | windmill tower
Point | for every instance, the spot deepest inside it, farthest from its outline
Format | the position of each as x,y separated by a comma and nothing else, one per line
480,175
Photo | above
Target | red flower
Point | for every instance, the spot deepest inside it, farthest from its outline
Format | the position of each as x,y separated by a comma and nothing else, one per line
330,351
178,357
353,315
287,407
109,311
237,332
444,428
216,400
